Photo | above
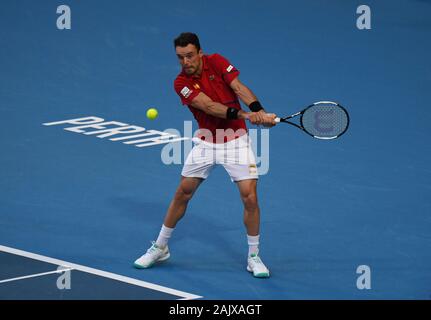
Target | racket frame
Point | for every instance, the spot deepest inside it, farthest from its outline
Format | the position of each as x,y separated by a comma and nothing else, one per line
301,125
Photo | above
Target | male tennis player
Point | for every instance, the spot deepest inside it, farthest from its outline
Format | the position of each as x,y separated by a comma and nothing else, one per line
209,86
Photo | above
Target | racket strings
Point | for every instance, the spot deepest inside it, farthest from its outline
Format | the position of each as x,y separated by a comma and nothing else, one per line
325,120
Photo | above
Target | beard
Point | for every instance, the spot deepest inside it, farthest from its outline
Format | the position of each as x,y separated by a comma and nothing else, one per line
189,70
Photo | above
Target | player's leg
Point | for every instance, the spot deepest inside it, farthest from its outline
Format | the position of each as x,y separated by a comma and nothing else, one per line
159,250
195,170
239,162
177,208
248,191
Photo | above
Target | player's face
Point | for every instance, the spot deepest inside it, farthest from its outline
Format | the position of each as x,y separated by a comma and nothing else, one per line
190,59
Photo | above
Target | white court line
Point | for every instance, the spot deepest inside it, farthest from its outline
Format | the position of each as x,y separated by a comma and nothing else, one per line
105,274
34,275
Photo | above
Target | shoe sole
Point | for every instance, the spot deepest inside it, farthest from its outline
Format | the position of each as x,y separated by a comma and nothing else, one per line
140,266
258,275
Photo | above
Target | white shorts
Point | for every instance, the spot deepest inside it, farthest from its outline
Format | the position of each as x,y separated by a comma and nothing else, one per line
236,156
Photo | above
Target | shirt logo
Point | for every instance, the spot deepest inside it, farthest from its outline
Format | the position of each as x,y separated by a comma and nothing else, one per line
196,86
229,69
211,77
186,92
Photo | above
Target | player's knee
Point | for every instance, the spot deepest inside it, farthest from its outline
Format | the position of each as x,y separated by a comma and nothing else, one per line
183,194
250,200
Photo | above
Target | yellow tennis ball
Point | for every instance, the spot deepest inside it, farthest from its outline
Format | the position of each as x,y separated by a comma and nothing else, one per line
152,113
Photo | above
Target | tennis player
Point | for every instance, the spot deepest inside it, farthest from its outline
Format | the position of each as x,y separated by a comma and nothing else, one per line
209,86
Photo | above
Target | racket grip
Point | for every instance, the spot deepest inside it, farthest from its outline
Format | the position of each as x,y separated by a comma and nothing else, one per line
277,119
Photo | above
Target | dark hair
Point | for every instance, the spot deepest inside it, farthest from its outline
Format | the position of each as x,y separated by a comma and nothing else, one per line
187,38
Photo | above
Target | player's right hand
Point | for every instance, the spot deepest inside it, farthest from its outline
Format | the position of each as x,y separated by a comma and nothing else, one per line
262,118
269,119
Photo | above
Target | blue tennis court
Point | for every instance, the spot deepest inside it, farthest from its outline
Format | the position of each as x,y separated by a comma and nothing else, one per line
91,199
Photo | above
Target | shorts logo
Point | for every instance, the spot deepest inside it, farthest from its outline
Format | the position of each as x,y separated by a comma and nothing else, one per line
229,69
186,92
252,169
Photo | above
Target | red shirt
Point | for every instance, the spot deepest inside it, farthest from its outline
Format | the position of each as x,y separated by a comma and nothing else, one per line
217,74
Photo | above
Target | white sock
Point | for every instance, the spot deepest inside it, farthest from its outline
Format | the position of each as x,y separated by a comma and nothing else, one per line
253,244
164,235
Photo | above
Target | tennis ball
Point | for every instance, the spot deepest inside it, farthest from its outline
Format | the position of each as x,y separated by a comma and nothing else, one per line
152,113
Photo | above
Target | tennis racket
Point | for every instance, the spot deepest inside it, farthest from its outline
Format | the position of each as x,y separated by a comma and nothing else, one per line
322,120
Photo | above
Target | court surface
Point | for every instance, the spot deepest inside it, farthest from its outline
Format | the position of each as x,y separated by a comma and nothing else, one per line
93,204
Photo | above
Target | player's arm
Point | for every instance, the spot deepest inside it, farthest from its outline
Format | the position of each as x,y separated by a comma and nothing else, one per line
216,109
250,99
242,91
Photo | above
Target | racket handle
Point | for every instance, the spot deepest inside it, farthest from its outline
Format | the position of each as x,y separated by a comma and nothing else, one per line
277,119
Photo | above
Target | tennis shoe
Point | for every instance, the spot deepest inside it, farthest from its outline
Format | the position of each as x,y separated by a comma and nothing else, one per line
256,266
154,254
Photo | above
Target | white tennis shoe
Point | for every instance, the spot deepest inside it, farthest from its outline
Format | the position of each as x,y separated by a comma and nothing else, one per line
154,254
256,266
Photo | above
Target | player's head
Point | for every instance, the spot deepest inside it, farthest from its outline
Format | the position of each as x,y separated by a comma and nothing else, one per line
189,52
